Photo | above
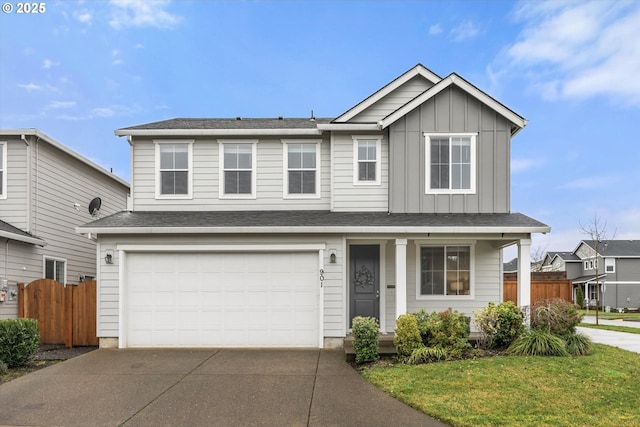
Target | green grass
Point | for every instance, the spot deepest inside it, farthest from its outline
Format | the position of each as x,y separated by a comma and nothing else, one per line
616,328
598,390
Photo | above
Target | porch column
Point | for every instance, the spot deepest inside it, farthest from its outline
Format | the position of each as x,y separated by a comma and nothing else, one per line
401,277
524,276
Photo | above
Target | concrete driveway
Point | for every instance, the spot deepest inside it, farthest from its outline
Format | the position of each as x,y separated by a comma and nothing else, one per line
208,387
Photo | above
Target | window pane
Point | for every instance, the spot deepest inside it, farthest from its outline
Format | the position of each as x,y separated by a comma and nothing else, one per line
295,182
367,171
1,180
230,156
174,182
244,156
166,157
432,269
244,182
181,157
309,159
230,182
295,156
49,269
59,271
309,182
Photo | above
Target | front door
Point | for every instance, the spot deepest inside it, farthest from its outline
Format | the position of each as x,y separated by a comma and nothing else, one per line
364,281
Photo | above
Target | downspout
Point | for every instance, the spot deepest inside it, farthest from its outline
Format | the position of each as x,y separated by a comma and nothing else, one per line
6,261
129,201
29,174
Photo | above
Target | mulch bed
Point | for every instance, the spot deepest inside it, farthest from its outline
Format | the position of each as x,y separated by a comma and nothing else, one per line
60,352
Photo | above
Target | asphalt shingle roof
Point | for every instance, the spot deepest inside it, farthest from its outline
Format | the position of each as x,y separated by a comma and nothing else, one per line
306,218
8,229
616,248
232,123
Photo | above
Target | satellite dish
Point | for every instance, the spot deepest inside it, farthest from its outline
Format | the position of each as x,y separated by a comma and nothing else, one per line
94,206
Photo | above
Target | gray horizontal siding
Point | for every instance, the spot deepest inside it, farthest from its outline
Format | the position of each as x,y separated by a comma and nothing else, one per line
13,208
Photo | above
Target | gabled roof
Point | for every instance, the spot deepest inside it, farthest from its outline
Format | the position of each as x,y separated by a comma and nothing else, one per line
298,221
453,79
565,256
42,136
418,70
614,248
10,232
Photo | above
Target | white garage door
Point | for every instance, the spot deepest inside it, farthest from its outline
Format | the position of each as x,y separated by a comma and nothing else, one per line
221,300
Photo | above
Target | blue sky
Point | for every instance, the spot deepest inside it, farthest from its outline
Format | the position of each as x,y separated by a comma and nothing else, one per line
84,68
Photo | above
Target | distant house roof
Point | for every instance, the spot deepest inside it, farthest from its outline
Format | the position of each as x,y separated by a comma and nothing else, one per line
588,279
61,147
309,221
616,248
10,232
565,256
511,266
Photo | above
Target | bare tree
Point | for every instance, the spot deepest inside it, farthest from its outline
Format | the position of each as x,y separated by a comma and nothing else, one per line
596,229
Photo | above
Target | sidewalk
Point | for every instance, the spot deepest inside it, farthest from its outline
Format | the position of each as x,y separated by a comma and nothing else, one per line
623,340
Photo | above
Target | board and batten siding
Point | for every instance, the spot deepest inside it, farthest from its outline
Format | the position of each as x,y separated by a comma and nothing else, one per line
13,208
109,281
449,112
350,197
270,170
393,101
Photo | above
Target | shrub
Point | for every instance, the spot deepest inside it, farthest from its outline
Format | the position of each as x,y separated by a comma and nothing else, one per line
407,337
557,317
499,324
447,329
580,297
578,344
427,355
365,339
4,369
536,342
19,339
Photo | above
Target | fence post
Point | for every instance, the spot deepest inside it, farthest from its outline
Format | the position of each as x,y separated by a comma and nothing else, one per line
68,316
21,300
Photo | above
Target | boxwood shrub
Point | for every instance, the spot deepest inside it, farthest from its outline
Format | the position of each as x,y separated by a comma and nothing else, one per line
19,340
365,338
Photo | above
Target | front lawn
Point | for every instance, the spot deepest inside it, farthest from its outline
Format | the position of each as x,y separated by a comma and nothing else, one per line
612,316
602,389
616,328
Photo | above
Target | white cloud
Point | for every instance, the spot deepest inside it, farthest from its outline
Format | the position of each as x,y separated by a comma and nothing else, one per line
589,183
521,165
142,13
580,49
48,63
464,31
117,62
435,29
54,105
30,87
83,16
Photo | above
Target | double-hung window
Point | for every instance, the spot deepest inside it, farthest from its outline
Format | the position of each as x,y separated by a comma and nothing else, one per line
302,174
56,269
610,265
174,169
450,163
444,271
3,170
238,169
366,160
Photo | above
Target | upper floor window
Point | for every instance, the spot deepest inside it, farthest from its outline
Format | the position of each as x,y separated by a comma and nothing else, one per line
450,163
609,265
366,160
174,169
56,269
302,174
444,271
3,170
238,169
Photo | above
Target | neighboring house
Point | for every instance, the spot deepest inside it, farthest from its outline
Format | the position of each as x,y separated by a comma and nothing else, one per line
277,232
45,190
562,261
611,267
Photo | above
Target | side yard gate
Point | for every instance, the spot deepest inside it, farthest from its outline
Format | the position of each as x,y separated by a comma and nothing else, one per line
66,314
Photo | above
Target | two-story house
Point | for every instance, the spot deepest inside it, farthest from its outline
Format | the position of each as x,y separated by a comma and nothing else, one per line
45,192
277,232
607,271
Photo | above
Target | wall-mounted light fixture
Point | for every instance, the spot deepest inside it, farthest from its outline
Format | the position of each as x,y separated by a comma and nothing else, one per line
108,258
332,256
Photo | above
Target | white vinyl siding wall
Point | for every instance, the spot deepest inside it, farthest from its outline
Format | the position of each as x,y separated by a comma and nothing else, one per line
393,101
350,197
206,179
108,292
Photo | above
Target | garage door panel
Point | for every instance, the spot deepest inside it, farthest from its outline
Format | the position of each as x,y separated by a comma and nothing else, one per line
222,299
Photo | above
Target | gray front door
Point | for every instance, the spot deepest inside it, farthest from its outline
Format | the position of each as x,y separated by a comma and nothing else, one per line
364,281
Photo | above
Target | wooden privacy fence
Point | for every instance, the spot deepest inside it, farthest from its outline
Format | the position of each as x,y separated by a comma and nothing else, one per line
66,314
543,286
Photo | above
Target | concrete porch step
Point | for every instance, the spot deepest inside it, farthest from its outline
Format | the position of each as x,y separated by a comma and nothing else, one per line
385,344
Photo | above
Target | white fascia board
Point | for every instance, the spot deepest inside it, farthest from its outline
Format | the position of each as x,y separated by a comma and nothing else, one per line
222,248
217,132
453,79
418,70
61,147
358,127
24,239
312,230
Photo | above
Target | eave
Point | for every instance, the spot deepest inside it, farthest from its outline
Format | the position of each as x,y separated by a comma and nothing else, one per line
218,132
24,239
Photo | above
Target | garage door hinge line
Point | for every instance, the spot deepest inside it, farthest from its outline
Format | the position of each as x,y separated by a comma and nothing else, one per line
170,387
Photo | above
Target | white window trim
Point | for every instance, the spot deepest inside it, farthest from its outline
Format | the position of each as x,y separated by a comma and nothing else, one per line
285,168
189,143
254,162
427,165
472,274
356,160
609,262
45,258
3,166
